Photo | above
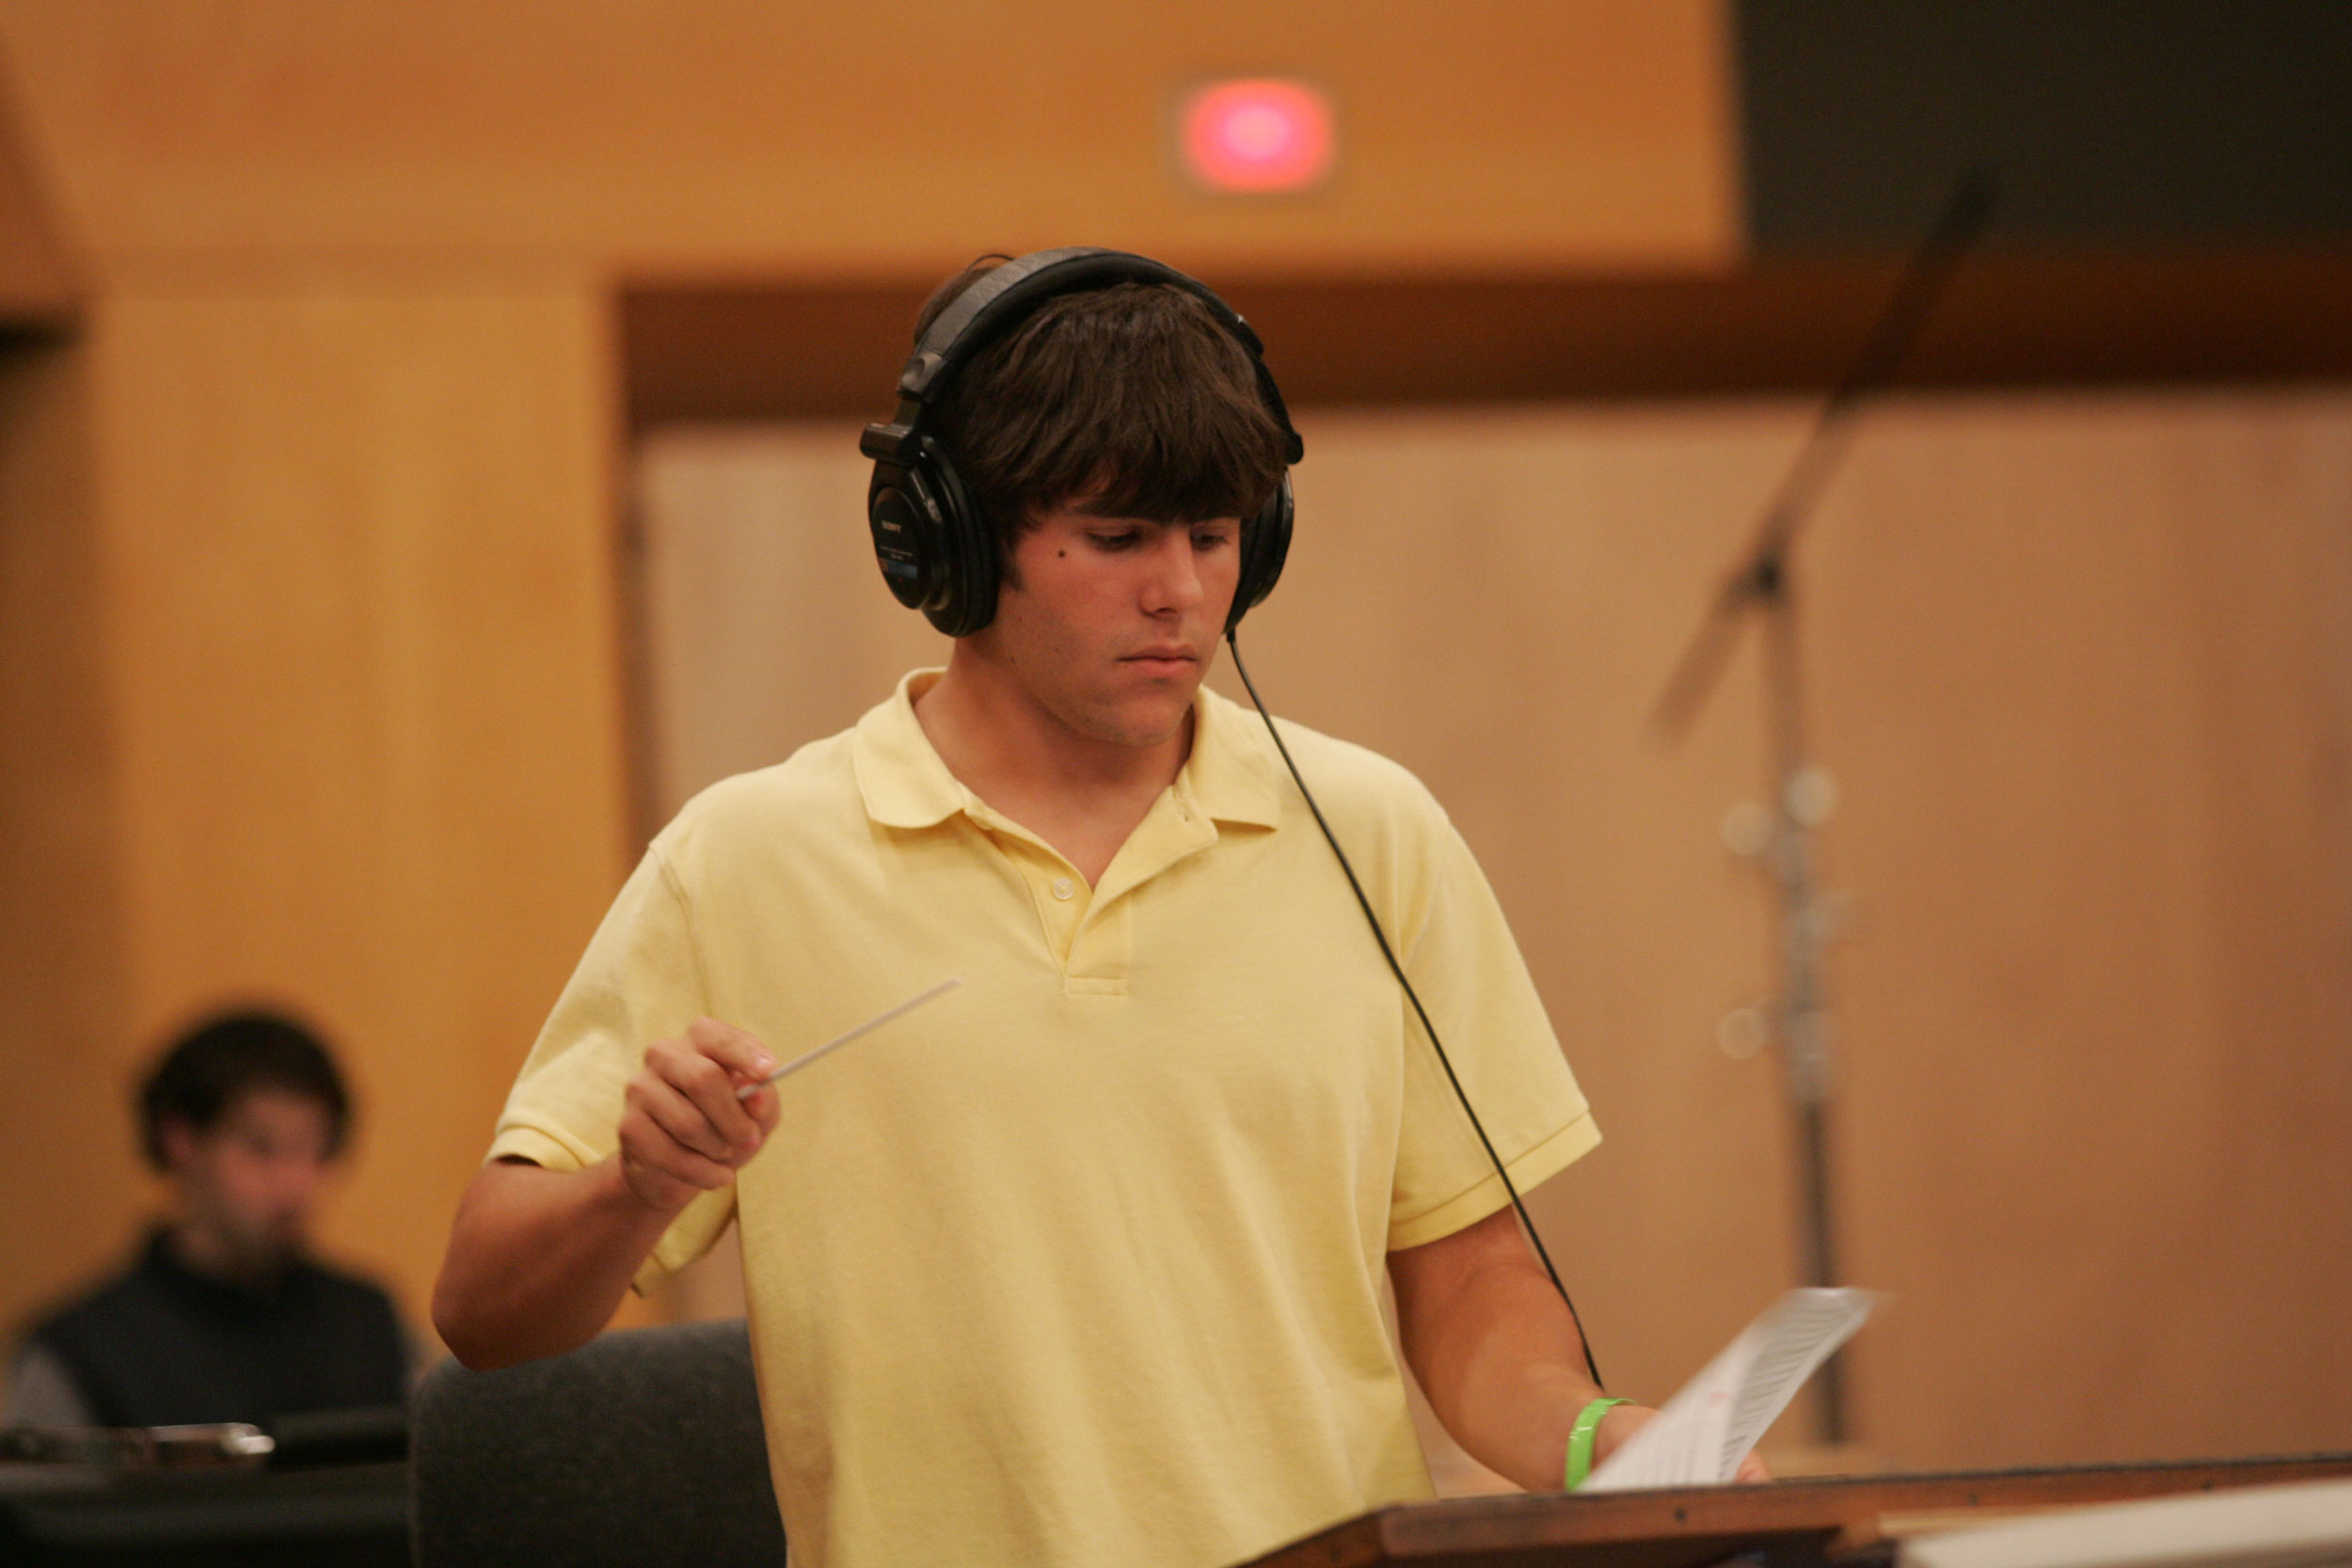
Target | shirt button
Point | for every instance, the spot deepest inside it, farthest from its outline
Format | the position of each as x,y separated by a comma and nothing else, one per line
1062,888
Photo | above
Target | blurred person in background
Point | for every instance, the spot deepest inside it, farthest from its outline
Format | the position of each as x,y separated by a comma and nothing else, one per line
224,1315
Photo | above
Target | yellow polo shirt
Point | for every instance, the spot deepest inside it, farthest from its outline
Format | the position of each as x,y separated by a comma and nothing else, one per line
1080,1264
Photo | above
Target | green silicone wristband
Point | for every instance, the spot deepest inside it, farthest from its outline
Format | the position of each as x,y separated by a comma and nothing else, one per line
1581,1440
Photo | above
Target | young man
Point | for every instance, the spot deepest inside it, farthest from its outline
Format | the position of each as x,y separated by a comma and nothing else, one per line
224,1317
1082,1263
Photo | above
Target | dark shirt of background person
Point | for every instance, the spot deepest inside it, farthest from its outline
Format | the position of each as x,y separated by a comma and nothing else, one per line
223,1315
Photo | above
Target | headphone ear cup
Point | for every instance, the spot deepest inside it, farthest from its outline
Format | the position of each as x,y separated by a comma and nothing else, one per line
935,554
968,550
1266,544
904,521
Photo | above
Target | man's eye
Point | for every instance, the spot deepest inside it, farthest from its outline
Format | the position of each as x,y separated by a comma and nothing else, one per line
1211,539
1120,541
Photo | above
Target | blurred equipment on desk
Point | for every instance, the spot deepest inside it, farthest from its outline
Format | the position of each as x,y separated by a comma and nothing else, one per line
329,1488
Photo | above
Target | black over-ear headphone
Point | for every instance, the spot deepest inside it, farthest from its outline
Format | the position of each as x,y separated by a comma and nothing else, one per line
937,552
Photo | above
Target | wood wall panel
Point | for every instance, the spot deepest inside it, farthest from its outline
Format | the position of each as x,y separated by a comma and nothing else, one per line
40,281
2083,667
363,693
72,1170
760,619
2102,1011
805,138
780,351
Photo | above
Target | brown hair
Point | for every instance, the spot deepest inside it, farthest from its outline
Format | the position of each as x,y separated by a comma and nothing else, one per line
219,1061
1132,401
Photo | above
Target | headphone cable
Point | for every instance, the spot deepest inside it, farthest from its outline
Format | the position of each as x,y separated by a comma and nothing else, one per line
1584,1341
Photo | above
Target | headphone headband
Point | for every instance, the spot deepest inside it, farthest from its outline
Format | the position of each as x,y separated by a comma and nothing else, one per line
1007,294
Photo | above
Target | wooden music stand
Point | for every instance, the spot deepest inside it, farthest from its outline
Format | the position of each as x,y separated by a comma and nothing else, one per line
1794,1524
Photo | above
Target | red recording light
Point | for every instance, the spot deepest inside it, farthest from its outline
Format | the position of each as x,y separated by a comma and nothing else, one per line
1259,133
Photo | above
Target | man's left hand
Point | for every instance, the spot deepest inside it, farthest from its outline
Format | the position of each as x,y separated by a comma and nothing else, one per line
1627,1419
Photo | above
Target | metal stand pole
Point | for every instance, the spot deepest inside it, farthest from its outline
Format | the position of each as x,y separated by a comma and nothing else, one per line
1798,797
1800,793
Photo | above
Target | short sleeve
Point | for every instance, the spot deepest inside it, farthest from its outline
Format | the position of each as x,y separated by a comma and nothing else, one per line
1459,951
641,980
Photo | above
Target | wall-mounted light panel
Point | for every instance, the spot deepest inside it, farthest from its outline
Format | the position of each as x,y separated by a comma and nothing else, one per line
1255,134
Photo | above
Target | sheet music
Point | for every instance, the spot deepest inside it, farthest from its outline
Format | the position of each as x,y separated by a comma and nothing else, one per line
1701,1434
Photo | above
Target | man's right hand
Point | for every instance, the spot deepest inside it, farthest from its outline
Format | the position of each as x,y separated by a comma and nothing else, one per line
538,1259
683,1131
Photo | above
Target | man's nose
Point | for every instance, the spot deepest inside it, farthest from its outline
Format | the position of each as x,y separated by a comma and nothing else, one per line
1175,579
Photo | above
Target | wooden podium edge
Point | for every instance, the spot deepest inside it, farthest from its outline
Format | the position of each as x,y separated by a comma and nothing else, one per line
1682,1526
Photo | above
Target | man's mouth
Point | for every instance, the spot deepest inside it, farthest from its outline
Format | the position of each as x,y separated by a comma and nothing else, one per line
1163,660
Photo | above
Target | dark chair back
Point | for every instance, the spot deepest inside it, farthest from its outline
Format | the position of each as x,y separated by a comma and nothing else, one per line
641,1448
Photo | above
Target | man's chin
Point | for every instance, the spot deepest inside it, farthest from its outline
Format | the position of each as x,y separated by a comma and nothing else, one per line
1142,725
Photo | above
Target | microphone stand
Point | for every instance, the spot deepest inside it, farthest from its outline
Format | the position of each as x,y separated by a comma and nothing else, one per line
1762,584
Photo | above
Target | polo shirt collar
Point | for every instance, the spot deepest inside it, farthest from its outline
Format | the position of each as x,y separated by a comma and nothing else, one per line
1231,776
1233,772
902,779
